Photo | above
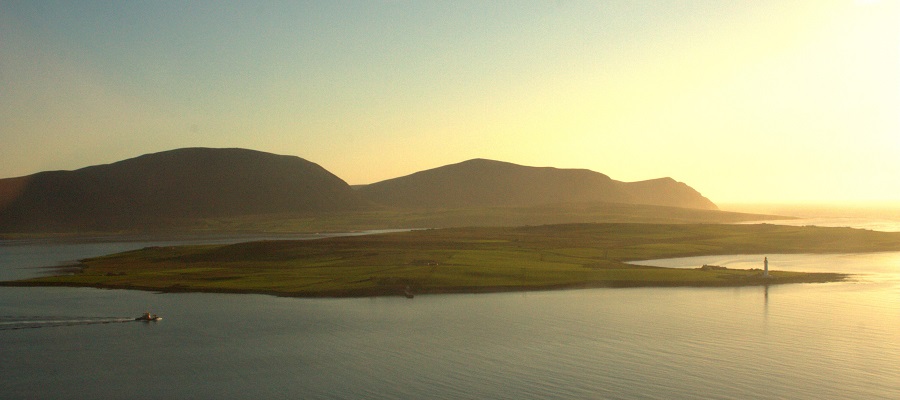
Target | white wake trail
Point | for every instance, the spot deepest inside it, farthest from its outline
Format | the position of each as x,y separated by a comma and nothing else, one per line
33,322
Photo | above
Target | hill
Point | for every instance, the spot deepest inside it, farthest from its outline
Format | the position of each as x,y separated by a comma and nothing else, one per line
154,190
215,191
487,183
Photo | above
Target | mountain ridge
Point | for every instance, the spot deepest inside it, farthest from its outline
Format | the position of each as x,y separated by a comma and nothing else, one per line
163,189
175,184
488,183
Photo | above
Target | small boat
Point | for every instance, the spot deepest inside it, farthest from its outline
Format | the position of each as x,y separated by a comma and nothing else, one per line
148,317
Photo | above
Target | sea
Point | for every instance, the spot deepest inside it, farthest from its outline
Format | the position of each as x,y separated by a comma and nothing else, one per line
799,341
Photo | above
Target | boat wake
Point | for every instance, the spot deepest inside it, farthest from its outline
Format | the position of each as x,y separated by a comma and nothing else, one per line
8,323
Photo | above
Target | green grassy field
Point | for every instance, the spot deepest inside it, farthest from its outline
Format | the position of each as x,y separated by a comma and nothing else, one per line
470,260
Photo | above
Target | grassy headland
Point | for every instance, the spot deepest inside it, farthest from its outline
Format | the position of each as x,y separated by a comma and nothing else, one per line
469,260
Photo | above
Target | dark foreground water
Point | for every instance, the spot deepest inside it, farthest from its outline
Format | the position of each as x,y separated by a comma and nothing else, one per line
809,341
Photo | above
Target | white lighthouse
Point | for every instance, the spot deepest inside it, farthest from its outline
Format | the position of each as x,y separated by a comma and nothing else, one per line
766,266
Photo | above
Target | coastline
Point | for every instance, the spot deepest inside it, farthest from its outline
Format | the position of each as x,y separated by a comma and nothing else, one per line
469,260
756,280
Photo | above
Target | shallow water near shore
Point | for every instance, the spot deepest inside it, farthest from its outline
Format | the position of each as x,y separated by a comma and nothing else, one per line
835,340
789,341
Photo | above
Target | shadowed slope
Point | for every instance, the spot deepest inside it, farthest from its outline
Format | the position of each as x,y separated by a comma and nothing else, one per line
157,188
667,192
487,183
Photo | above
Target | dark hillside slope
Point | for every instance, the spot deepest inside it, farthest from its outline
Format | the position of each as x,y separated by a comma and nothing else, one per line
667,192
487,183
161,188
479,183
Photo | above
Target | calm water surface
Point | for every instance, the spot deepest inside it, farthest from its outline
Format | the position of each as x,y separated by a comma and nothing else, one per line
808,341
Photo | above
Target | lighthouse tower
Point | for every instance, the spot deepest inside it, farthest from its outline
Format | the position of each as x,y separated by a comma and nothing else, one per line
766,266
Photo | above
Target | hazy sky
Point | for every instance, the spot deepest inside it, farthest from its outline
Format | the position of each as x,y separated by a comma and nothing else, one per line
743,100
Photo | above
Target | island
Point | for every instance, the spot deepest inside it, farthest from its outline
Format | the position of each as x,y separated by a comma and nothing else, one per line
470,260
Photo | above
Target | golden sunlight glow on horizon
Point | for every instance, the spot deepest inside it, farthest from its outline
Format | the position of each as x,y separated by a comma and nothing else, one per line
744,101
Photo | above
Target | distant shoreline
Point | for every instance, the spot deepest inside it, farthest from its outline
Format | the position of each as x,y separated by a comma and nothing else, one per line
799,277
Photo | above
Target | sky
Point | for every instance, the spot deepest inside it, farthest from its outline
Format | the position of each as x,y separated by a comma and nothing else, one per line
745,101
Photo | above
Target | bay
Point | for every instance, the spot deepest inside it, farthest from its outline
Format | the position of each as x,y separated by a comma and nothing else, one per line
815,341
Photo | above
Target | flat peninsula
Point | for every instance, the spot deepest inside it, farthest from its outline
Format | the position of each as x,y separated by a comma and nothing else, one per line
469,260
